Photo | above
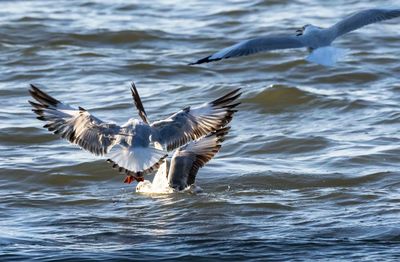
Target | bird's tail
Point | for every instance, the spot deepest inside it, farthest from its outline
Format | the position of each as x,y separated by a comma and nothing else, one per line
326,56
136,161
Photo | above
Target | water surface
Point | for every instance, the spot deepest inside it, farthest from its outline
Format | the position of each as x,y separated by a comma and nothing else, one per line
309,171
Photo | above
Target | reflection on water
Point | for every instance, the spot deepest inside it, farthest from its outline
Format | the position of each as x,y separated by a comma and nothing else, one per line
309,170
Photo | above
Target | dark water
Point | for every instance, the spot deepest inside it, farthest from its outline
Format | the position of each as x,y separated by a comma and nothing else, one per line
310,170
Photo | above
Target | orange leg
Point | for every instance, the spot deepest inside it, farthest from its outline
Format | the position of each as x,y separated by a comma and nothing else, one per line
129,179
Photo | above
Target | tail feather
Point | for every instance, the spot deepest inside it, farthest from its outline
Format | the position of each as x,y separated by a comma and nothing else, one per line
136,161
326,56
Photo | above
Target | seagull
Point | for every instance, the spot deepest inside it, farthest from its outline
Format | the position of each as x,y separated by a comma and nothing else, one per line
137,147
316,39
179,173
191,155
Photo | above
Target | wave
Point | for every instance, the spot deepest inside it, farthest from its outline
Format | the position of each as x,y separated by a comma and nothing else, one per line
278,98
107,37
279,180
290,145
281,98
24,136
352,77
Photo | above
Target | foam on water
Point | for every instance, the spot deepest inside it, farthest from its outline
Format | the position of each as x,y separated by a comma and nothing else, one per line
160,184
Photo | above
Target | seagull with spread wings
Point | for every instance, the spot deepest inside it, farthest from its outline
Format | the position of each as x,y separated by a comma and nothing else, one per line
318,40
137,147
179,172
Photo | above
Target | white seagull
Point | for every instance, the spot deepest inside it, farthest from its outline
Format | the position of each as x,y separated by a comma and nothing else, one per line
316,39
179,173
137,147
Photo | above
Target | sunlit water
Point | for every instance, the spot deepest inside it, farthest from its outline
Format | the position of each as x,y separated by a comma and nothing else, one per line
309,171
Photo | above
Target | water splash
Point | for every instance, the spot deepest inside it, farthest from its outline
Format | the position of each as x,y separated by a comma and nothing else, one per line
160,184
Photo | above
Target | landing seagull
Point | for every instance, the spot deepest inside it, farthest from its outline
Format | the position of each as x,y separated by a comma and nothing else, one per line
180,172
316,39
137,147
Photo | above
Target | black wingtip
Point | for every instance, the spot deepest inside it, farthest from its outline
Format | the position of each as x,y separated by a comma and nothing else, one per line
42,97
231,96
205,60
133,87
33,87
138,103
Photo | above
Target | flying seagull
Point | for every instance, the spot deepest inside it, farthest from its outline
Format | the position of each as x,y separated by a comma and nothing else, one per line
137,147
316,39
180,172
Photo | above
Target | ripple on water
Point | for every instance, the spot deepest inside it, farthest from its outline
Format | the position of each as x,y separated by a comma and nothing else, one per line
352,77
309,171
281,98
25,136
290,145
278,180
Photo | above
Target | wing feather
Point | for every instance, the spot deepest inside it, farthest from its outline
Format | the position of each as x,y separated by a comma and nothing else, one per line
76,125
139,104
188,159
193,123
134,154
256,45
362,18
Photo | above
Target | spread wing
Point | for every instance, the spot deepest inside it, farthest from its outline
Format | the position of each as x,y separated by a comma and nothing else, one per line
133,154
192,123
362,18
76,125
252,46
187,160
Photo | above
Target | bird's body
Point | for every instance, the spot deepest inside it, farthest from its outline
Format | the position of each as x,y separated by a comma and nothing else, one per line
179,172
309,36
315,37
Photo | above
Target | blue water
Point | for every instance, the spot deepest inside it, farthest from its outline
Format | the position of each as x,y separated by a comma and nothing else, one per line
308,172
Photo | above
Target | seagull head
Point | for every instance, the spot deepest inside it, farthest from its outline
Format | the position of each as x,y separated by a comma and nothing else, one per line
300,31
305,29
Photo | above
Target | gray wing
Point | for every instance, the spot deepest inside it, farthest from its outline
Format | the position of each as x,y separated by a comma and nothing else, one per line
76,125
133,155
252,46
187,160
362,18
193,123
138,104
